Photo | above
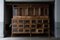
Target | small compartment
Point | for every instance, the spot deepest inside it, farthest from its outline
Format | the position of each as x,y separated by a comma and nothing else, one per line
45,21
27,30
46,25
33,30
14,29
21,21
39,25
26,21
21,26
33,26
40,30
20,30
33,21
39,21
14,25
26,26
14,21
45,30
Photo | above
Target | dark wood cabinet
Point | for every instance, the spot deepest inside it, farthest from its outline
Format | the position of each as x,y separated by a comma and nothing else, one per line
30,19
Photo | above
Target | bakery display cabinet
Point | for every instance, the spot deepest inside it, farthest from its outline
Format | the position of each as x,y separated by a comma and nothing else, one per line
30,19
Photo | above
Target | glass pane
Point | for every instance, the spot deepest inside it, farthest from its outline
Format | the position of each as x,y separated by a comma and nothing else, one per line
36,11
15,11
20,12
42,12
30,11
46,11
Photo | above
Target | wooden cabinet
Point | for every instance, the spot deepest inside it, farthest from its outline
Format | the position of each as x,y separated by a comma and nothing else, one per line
30,18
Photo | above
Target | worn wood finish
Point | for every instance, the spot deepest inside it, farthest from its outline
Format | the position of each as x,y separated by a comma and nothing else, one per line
30,19
29,23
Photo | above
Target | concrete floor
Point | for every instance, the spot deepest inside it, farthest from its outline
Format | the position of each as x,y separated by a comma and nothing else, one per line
28,38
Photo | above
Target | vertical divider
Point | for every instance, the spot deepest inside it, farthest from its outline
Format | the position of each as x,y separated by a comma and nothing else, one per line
18,11
30,27
18,24
22,11
34,12
23,25
49,32
44,11
27,12
36,24
39,11
48,11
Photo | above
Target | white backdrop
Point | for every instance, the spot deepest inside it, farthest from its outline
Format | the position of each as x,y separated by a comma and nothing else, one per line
1,17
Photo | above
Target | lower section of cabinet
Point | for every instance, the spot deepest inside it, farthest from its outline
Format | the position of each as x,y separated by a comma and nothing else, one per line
30,25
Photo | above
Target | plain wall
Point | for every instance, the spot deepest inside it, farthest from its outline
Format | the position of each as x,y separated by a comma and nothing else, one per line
57,18
1,17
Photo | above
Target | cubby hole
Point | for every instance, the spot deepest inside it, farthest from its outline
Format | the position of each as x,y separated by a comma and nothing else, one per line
39,25
21,26
46,25
26,26
45,30
39,30
33,26
14,21
21,21
14,25
33,30
26,21
27,30
20,30
45,21
14,30
33,21
39,21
